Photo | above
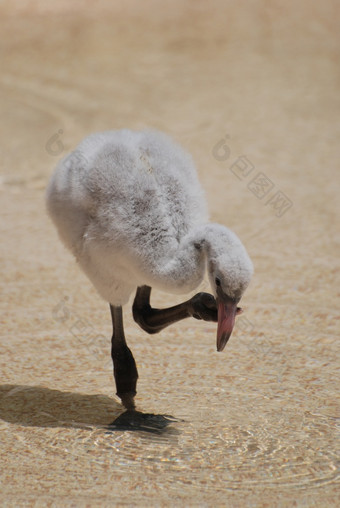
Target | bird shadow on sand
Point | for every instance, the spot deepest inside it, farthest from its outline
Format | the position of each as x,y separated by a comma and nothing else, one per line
36,406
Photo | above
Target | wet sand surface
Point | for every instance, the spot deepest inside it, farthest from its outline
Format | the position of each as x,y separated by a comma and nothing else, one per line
252,91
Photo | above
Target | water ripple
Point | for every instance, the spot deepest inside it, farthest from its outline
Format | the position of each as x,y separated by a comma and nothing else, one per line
241,456
226,450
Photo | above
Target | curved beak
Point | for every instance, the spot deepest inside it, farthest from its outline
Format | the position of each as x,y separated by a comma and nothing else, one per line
226,313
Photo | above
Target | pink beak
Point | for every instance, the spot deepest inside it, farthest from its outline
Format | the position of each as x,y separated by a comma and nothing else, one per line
226,312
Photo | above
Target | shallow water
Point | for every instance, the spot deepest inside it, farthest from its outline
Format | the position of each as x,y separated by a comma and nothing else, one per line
256,425
213,448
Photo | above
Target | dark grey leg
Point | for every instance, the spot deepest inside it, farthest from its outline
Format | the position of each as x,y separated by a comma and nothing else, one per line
200,306
124,365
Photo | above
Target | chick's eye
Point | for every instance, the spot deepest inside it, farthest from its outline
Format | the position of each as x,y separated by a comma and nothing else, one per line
217,281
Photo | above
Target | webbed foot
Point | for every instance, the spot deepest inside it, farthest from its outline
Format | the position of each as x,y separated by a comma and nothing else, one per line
203,306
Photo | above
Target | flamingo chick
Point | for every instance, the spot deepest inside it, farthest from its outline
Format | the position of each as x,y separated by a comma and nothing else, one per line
129,206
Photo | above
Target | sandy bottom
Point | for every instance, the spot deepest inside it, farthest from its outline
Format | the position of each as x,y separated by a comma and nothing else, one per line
252,91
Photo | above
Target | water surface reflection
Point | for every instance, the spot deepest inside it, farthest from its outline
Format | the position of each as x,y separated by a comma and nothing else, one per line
232,452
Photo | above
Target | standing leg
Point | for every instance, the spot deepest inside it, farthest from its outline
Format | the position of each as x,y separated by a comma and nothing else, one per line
124,365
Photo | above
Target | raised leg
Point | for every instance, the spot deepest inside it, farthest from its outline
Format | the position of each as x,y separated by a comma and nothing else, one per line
124,365
200,306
